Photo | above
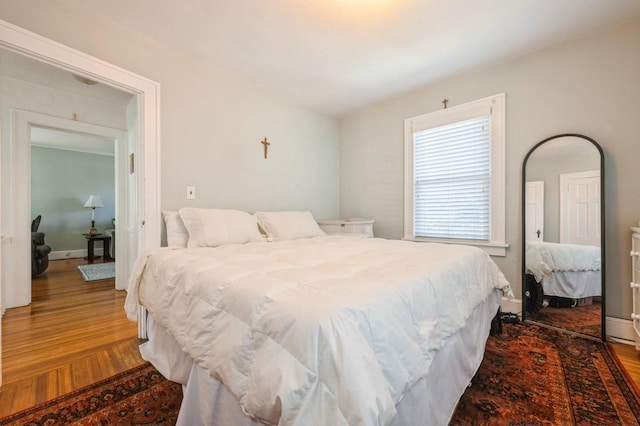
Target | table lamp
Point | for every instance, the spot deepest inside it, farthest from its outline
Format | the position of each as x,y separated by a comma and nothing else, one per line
93,202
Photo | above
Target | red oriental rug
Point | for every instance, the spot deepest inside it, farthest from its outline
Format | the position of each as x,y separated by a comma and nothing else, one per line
531,375
140,396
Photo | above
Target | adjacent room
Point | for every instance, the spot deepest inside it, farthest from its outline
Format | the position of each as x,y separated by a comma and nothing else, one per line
324,210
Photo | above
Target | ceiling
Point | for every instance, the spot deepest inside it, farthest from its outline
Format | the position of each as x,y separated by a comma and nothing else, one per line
20,67
335,56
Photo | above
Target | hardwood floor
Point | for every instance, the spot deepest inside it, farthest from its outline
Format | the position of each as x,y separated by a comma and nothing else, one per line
74,333
630,358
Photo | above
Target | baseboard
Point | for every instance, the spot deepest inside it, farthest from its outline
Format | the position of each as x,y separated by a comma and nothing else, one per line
72,254
620,329
513,306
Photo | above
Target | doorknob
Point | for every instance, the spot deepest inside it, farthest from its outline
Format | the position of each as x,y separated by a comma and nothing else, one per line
538,232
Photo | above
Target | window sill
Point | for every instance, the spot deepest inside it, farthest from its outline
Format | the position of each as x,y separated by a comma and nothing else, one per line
491,248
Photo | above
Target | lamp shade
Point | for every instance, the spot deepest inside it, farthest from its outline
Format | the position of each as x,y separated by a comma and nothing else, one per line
93,202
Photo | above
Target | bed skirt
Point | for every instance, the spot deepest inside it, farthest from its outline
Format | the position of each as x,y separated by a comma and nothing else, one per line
572,284
432,399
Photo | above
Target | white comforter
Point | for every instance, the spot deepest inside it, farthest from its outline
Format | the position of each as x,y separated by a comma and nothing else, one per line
325,331
544,258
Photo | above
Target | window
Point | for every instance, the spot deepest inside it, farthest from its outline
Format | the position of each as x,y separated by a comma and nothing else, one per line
454,175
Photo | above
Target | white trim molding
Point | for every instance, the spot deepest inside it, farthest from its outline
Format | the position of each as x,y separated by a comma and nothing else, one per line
513,306
495,107
620,329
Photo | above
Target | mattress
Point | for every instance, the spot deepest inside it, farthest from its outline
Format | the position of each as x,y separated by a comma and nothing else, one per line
331,330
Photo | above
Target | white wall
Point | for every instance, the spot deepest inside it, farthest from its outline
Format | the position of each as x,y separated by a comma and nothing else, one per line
61,182
212,126
212,122
589,86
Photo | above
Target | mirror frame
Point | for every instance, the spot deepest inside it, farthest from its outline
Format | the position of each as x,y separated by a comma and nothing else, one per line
602,234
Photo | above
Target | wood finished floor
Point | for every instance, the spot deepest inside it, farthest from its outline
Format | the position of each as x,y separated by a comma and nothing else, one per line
76,333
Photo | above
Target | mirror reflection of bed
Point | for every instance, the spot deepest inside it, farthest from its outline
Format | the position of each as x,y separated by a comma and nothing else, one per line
562,235
569,280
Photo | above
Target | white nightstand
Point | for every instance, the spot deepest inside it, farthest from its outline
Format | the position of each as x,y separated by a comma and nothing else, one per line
356,226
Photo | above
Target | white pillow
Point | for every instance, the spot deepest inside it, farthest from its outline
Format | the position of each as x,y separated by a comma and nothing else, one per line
288,225
177,234
214,227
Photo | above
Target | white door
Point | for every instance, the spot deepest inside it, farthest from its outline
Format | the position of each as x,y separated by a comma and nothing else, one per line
534,211
580,208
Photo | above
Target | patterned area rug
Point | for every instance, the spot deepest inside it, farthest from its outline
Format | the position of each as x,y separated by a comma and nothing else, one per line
140,396
529,376
98,271
536,376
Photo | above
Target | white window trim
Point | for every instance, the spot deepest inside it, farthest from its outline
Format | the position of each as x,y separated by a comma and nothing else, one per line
496,246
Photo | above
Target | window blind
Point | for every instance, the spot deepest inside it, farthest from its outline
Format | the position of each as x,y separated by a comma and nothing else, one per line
452,178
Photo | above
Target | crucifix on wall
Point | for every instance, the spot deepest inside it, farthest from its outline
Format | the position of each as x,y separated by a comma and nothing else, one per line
266,147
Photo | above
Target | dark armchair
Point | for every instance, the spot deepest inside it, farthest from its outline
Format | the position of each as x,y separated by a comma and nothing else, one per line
39,250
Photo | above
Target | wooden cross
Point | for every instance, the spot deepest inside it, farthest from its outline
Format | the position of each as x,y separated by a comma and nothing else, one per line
266,147
444,102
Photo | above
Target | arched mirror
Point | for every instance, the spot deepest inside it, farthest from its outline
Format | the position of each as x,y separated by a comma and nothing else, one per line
563,235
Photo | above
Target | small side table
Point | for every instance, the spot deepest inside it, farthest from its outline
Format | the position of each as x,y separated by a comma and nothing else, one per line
91,239
362,227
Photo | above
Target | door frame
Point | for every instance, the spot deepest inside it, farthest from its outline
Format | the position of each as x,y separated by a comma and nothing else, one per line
144,131
20,138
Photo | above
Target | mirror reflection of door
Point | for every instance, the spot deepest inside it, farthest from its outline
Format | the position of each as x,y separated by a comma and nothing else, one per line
534,211
580,208
563,271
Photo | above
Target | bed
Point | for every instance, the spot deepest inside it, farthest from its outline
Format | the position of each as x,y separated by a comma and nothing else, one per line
565,270
295,327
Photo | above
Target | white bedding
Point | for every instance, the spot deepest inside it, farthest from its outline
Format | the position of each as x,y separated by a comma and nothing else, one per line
572,284
327,331
431,401
544,258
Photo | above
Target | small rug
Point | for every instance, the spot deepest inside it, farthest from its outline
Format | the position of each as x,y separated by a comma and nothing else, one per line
532,375
98,271
140,396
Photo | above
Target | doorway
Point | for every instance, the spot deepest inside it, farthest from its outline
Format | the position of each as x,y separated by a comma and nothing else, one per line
142,221
16,261
66,168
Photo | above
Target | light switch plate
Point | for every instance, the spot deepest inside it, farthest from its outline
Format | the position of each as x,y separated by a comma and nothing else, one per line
191,192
